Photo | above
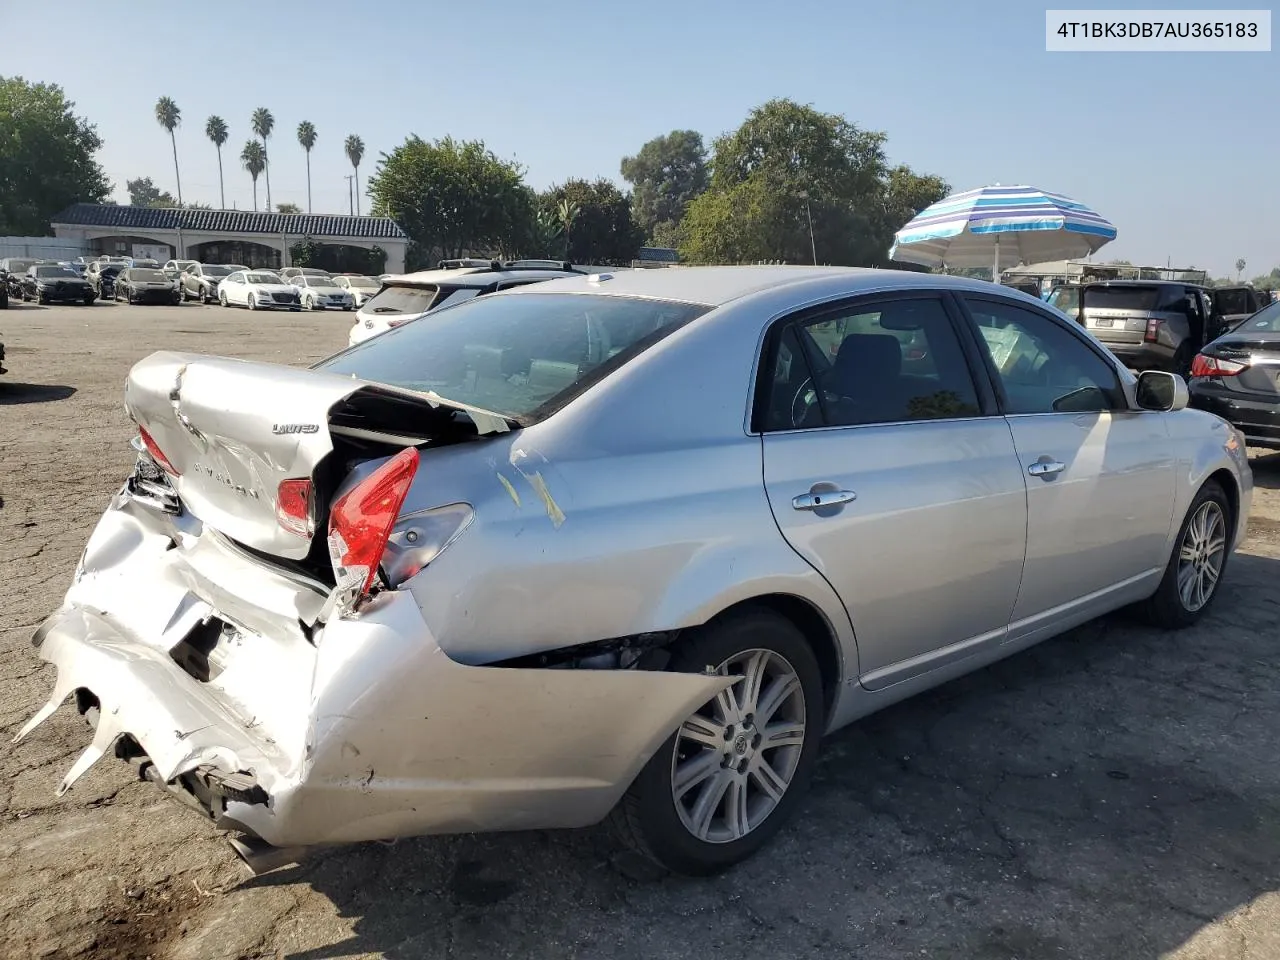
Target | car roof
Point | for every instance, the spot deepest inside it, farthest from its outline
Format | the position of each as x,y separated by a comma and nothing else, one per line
473,276
715,286
1146,283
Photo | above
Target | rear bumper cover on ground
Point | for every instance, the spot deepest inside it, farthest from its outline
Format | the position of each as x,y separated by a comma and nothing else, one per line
367,731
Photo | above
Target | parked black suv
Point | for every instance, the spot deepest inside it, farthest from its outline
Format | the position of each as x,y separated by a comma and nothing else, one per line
1237,304
1148,324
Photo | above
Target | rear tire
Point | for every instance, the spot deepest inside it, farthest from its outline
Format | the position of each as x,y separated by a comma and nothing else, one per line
1199,559
737,789
1182,360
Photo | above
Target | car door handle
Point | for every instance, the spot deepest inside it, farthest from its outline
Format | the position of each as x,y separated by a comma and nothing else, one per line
1045,468
813,501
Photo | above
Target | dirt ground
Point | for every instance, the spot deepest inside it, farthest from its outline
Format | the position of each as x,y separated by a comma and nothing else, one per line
1111,793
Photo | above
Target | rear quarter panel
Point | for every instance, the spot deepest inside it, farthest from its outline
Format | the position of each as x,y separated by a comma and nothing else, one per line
639,507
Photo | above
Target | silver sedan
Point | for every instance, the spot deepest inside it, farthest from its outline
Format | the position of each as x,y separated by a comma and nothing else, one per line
619,545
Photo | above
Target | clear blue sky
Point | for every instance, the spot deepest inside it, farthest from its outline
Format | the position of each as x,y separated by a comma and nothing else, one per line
1180,151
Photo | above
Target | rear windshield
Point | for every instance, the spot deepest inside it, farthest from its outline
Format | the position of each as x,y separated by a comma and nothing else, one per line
147,275
1233,301
513,355
1265,320
362,282
401,301
1133,298
215,271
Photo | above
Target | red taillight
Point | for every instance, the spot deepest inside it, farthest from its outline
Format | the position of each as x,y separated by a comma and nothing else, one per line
1153,331
293,507
1203,366
362,520
156,454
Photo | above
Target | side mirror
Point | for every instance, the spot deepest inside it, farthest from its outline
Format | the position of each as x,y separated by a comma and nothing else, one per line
1158,390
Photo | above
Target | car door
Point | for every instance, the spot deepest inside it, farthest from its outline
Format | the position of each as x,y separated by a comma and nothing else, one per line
888,468
1099,476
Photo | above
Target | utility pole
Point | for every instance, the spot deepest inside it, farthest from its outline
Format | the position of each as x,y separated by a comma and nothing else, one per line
813,247
351,203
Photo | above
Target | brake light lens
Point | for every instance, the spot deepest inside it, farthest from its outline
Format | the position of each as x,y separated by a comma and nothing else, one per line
294,511
1153,331
157,454
362,520
1203,366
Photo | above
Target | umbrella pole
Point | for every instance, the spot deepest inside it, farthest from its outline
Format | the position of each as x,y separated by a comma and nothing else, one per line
995,267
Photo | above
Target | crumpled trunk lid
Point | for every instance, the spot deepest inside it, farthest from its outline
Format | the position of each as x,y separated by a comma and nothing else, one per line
234,429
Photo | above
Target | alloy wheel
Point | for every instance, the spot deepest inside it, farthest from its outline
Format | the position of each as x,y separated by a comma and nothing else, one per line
735,758
1201,555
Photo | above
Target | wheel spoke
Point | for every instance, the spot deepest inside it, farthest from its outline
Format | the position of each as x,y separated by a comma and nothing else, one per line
735,808
697,769
767,779
1188,553
752,682
779,689
1210,574
1186,585
704,810
704,731
726,705
782,734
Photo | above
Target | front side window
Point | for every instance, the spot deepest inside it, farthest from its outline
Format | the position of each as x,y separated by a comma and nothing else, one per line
883,362
520,357
1041,365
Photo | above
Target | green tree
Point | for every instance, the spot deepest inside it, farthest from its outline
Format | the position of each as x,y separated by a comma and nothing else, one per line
665,176
254,159
215,128
46,157
1268,281
144,193
307,140
262,123
288,208
169,116
597,221
792,182
907,193
453,197
354,149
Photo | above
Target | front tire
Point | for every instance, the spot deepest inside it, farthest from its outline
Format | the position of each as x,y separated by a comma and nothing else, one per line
222,298
731,776
1199,558
253,302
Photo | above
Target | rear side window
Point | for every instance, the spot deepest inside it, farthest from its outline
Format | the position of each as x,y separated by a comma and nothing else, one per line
1233,301
401,301
886,362
1042,366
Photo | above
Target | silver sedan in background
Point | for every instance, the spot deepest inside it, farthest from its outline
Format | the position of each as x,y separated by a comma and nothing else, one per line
624,544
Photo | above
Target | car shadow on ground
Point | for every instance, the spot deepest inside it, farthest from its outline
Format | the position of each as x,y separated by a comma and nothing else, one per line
1105,794
15,393
1266,469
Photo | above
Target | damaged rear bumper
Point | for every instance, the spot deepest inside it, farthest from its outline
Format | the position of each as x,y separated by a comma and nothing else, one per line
352,730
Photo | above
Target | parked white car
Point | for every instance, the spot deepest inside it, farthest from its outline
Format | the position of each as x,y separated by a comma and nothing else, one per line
258,290
360,288
322,293
405,298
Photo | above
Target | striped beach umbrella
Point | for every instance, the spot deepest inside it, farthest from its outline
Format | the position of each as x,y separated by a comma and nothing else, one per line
1001,227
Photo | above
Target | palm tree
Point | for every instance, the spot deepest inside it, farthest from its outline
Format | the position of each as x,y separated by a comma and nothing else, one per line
215,128
355,153
169,116
263,123
1240,265
307,137
254,159
567,212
